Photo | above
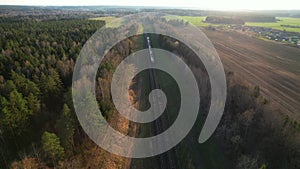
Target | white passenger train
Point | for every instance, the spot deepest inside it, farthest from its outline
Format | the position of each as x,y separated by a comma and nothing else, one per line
150,50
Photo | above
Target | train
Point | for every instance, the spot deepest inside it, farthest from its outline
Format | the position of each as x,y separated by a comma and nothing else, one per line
150,50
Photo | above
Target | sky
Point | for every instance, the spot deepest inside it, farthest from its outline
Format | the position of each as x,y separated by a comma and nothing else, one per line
197,4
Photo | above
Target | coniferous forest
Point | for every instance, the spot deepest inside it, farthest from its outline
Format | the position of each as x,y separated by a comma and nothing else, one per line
36,64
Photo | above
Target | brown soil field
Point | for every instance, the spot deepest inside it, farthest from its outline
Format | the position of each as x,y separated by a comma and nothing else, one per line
272,66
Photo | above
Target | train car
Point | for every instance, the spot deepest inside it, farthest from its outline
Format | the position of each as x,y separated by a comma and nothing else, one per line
151,57
150,50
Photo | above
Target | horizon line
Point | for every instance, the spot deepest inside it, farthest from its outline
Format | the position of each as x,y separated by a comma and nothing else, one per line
163,7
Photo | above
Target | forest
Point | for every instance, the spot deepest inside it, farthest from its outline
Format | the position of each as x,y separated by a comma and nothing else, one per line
36,65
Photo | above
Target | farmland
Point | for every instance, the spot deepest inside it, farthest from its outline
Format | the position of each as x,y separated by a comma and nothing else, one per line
272,66
108,20
283,23
195,20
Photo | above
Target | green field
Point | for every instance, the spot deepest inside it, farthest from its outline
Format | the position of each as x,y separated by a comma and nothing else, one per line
277,25
199,22
195,20
108,20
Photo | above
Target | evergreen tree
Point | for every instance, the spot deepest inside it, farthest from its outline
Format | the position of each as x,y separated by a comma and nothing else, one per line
33,103
24,85
66,128
52,147
15,113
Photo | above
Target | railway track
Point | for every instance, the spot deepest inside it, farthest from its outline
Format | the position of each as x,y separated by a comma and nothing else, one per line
168,159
